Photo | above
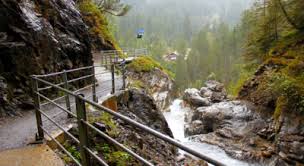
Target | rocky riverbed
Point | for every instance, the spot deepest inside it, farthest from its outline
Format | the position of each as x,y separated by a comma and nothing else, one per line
238,128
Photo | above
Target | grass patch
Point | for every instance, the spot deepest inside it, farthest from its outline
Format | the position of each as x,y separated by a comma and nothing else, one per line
113,156
106,119
147,64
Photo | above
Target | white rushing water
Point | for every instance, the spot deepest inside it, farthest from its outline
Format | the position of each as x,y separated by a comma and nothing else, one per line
176,122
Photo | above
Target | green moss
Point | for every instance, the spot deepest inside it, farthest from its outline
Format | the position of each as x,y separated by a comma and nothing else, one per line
246,73
98,23
106,119
292,88
72,149
144,64
113,156
280,106
147,64
137,84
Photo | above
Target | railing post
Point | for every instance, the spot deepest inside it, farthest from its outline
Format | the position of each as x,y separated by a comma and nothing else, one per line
111,59
124,74
95,99
101,58
67,97
106,61
83,131
113,78
36,98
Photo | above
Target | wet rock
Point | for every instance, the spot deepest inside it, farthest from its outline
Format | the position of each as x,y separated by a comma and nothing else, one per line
213,92
205,92
192,96
214,85
39,37
218,96
142,108
156,82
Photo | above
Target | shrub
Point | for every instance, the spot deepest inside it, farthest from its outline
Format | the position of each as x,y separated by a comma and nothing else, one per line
290,88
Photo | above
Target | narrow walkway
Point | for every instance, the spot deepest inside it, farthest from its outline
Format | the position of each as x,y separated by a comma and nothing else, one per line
38,155
21,131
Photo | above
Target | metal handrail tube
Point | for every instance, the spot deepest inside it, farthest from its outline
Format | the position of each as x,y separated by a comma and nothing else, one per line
118,144
55,115
80,78
58,125
108,89
61,146
86,87
58,73
49,87
101,73
95,156
143,127
57,105
155,133
61,97
78,90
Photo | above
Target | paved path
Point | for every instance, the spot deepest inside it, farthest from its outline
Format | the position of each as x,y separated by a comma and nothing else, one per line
21,131
38,155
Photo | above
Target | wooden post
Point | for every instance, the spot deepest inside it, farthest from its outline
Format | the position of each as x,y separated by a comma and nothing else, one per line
113,78
95,99
67,96
83,131
36,98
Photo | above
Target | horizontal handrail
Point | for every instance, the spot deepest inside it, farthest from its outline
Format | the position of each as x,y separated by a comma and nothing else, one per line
136,124
118,144
59,126
66,71
95,156
57,105
61,146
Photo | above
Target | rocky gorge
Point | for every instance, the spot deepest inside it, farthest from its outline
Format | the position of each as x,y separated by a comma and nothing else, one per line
240,129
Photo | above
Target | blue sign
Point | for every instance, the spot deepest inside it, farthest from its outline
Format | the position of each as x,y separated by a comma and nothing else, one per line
140,31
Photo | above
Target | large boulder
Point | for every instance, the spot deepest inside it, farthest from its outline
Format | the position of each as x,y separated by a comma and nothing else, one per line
193,97
156,82
213,92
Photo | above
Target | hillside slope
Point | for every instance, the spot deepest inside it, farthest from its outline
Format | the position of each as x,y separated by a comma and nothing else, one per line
277,89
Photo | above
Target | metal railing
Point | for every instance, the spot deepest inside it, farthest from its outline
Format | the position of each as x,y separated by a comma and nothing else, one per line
87,155
117,56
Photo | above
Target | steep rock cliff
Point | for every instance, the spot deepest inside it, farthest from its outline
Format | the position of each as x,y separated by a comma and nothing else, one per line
38,37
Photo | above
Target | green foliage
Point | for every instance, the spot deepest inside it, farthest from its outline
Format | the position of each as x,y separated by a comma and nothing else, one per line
268,23
113,156
280,106
290,88
137,84
72,149
234,88
144,64
113,7
97,22
106,119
